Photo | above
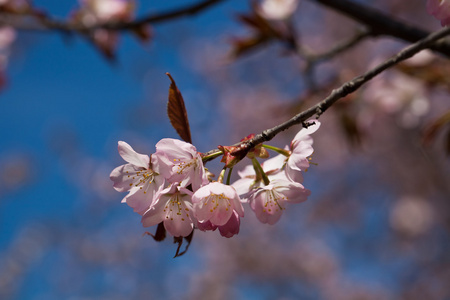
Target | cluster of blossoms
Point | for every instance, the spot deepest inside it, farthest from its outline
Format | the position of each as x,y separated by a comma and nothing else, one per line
172,186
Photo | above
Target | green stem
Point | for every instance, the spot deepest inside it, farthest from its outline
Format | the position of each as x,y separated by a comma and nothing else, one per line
211,156
278,150
229,176
259,171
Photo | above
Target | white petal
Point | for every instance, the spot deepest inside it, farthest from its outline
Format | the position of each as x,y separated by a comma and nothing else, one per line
131,156
122,177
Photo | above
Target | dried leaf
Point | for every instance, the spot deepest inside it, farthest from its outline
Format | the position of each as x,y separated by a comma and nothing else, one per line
241,46
177,112
160,233
179,240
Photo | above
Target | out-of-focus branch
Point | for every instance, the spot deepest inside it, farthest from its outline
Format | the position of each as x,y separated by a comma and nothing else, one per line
312,59
380,23
339,93
338,48
45,23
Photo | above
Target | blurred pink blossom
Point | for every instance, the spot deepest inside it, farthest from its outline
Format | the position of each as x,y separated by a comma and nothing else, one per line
277,9
94,12
100,11
412,216
440,9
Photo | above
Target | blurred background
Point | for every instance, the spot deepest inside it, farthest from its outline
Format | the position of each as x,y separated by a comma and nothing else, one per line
376,226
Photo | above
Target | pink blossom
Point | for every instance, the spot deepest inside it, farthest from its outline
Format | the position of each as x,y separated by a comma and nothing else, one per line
268,202
100,11
173,207
301,148
180,162
273,168
277,9
228,230
440,9
140,177
217,203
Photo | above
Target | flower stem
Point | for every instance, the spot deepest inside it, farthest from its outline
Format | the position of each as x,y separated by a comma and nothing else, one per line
211,156
278,150
229,176
259,171
221,175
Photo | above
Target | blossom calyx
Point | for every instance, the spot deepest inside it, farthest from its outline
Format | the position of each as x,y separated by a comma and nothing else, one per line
231,155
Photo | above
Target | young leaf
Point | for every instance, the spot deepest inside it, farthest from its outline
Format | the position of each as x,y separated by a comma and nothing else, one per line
177,112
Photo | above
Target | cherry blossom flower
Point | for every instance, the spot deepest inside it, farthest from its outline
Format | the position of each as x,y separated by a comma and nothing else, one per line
140,177
277,9
173,207
268,202
93,12
101,11
301,148
7,37
227,230
220,205
273,168
180,162
440,9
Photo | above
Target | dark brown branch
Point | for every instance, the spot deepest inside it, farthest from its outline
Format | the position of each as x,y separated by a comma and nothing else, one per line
382,24
46,23
339,93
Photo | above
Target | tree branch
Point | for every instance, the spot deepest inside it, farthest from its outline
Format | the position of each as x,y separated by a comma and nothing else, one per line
382,24
339,93
47,23
338,48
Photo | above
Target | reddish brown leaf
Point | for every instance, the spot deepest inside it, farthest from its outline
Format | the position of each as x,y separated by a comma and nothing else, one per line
177,112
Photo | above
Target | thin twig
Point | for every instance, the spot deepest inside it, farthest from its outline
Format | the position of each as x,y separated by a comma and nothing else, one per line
339,47
339,93
312,59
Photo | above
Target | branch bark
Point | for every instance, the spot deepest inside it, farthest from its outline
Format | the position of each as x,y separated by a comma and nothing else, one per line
339,93
47,23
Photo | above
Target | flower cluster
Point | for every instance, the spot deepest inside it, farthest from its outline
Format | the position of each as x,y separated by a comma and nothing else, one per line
172,186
